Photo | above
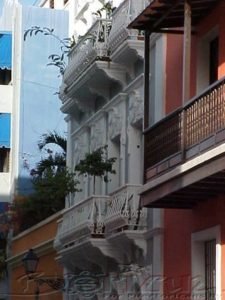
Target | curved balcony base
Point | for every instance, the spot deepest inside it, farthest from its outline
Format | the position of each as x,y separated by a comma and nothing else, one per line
129,51
132,244
97,80
93,254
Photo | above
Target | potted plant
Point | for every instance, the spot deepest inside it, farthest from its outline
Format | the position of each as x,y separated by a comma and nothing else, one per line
96,164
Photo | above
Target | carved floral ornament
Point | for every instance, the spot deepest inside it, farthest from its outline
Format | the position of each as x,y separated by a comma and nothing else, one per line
136,107
97,136
115,123
79,149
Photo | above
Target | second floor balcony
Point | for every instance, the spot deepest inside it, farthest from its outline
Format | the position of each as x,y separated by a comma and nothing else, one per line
92,229
90,73
92,46
124,211
83,220
124,42
184,152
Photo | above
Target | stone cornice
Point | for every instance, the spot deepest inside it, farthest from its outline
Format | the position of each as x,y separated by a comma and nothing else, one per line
39,225
111,70
115,101
134,84
40,249
98,115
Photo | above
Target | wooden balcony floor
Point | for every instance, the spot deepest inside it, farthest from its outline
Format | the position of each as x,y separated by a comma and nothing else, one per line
202,182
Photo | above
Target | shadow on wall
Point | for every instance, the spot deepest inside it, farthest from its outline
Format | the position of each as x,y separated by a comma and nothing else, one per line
4,197
24,186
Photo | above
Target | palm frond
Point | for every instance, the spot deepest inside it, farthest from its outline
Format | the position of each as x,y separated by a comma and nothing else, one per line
53,163
52,138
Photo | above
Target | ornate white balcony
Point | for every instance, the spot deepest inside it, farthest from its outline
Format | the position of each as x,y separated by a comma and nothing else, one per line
92,46
121,39
124,212
90,73
80,239
83,220
126,224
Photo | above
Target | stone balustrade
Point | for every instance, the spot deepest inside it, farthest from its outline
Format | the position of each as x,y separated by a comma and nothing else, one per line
122,16
84,219
123,210
92,46
98,216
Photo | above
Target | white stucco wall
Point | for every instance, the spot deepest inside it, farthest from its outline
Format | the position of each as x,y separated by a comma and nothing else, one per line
5,187
6,92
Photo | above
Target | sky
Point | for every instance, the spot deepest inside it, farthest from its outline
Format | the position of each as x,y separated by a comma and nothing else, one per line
28,2
25,2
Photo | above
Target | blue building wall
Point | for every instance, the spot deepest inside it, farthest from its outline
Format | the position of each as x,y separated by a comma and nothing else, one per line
6,50
39,103
5,125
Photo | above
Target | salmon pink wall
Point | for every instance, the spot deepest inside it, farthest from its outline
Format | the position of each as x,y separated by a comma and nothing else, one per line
38,235
35,236
177,252
174,73
193,70
221,71
215,19
174,61
22,288
179,225
174,57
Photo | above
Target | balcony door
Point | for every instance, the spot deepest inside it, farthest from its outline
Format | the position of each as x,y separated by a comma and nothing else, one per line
210,269
206,264
157,80
207,60
213,60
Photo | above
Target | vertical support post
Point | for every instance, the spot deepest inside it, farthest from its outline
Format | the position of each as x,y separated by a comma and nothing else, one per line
146,78
186,51
186,70
146,94
183,133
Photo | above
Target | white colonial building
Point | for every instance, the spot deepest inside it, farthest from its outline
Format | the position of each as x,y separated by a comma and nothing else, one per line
104,236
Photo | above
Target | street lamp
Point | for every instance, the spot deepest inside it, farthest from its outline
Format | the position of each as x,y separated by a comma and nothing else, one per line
30,263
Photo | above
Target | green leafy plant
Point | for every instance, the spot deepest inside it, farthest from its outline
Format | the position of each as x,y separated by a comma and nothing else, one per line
52,182
96,164
66,45
48,198
54,161
106,8
51,179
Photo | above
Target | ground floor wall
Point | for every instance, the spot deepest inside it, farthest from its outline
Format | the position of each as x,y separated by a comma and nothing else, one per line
186,235
40,238
21,287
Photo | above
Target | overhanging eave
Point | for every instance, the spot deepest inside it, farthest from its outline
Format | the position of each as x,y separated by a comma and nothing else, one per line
188,189
162,14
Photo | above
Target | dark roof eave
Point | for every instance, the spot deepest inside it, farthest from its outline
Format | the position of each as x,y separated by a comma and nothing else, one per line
161,14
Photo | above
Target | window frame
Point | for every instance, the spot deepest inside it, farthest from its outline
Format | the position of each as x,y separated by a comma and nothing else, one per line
198,240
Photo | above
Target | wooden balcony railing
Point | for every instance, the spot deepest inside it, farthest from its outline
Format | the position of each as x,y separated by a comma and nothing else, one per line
198,120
